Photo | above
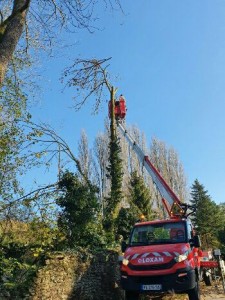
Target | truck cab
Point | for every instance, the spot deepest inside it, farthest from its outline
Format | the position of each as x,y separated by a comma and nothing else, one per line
161,256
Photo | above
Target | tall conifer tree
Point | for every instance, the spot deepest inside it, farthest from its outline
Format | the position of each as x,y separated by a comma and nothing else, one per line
208,218
115,173
140,200
141,195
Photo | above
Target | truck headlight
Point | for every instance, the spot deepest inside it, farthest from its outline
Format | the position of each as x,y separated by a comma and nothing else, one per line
180,258
125,262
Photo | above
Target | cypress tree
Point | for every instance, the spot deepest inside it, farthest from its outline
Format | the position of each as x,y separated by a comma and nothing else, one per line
125,221
197,194
222,231
140,204
115,174
140,195
208,217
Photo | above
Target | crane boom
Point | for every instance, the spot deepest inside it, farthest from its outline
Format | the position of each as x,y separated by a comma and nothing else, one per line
173,205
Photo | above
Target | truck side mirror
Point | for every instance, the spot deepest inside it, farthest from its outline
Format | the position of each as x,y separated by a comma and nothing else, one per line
195,241
123,246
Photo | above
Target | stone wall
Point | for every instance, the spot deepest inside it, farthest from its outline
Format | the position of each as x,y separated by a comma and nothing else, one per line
78,277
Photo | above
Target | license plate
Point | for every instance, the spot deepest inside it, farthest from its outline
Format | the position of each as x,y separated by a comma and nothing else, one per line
151,287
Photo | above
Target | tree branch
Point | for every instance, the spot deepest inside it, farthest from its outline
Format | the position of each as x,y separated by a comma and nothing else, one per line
89,75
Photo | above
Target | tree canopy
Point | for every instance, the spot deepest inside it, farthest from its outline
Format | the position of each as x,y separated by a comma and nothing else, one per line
80,211
28,24
208,218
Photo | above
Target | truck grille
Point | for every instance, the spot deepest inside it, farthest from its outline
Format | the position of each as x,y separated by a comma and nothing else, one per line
152,267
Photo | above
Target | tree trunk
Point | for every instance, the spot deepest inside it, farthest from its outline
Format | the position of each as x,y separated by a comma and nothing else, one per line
11,31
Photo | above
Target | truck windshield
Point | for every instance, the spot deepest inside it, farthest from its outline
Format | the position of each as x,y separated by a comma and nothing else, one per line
163,233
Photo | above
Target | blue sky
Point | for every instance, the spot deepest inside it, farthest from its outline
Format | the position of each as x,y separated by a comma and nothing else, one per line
168,59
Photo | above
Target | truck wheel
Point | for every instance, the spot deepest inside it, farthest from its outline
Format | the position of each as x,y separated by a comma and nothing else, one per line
194,294
207,279
131,295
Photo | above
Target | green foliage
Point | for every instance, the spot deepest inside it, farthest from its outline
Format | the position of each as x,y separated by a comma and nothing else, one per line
140,195
24,247
79,217
140,204
115,174
198,193
12,136
125,221
17,270
221,234
24,243
208,218
221,237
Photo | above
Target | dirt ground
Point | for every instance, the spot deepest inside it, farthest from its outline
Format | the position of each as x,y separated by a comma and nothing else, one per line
212,292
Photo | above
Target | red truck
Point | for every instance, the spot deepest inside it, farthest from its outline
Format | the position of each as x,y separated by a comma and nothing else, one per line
162,255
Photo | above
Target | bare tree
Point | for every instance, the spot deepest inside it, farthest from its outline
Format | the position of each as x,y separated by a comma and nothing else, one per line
90,78
131,162
85,155
43,147
11,31
101,156
139,137
51,148
42,19
167,162
164,159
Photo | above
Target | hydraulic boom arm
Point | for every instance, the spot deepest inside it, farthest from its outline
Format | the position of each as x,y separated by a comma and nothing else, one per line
173,205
